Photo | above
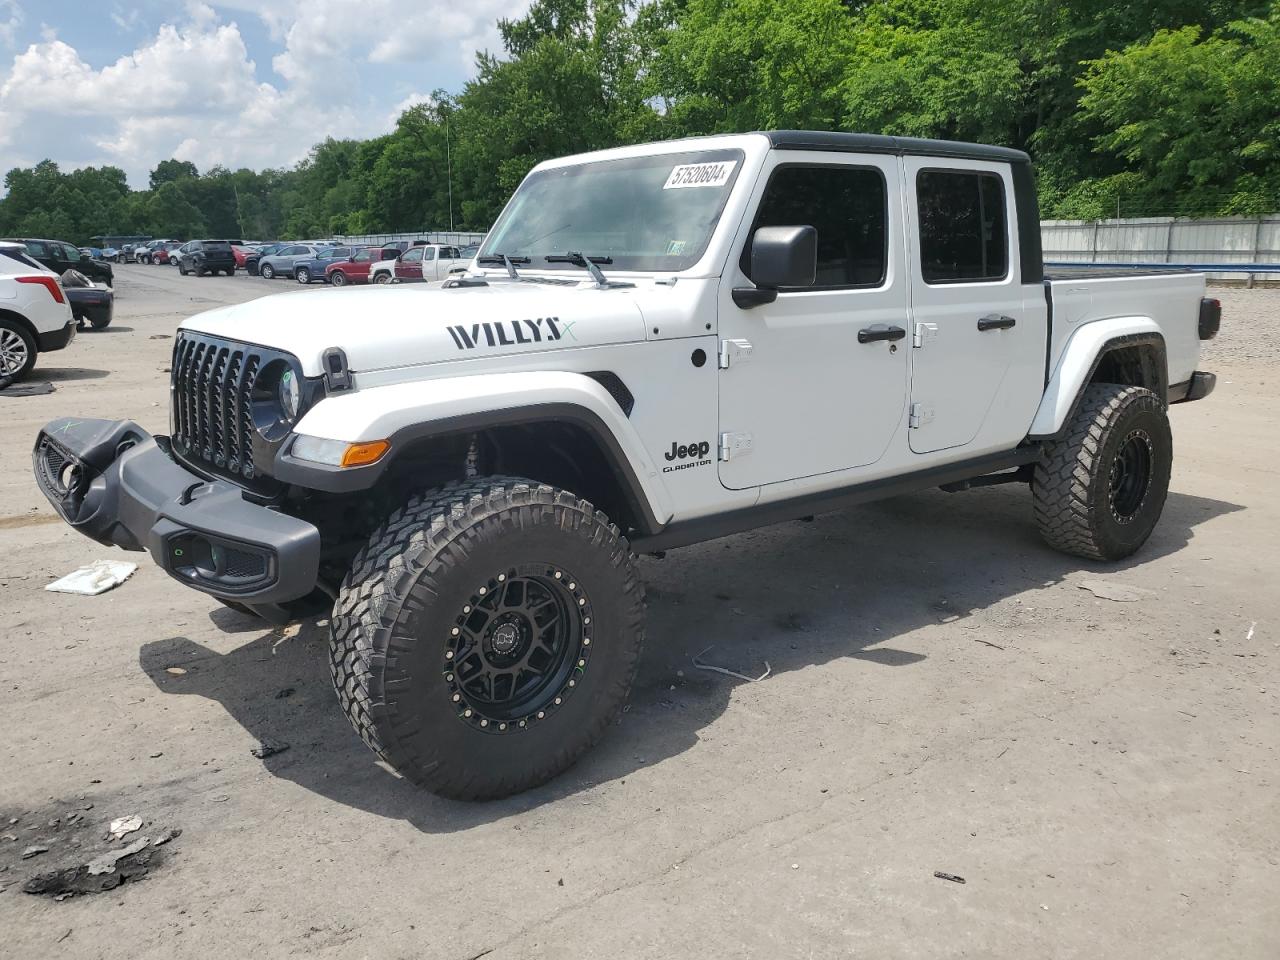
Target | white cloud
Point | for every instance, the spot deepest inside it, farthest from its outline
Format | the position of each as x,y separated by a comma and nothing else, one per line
191,91
10,21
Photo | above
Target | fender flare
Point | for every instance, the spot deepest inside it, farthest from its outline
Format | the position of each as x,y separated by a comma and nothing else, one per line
1079,361
408,412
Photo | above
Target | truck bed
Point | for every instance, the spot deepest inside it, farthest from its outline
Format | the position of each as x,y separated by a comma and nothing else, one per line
1171,298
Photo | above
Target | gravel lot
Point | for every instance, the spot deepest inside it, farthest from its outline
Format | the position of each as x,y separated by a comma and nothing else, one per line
946,695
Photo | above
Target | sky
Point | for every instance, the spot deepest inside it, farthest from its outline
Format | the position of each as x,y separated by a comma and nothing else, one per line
242,83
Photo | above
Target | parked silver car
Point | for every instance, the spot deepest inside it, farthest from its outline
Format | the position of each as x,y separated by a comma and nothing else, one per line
280,263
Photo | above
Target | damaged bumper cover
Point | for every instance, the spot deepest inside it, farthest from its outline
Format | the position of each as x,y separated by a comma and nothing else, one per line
117,484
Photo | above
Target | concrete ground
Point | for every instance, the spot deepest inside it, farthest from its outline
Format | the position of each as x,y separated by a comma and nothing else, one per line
945,696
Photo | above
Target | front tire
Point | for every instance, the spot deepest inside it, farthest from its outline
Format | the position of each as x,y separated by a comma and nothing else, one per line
382,278
487,636
267,272
1102,486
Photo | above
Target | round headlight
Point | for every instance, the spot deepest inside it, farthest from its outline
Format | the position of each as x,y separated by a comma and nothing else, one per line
290,394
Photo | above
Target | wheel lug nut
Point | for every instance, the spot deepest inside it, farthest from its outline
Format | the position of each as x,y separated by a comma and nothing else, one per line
483,591
448,654
484,723
586,619
502,577
573,683
449,677
582,601
466,713
558,701
586,641
541,714
467,608
558,574
455,631
502,726
457,697
582,663
572,585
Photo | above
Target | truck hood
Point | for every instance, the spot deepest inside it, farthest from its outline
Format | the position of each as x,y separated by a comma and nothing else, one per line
396,326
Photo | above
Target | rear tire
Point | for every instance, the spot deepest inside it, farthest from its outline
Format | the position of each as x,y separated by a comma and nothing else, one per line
473,686
338,278
17,351
302,275
1102,486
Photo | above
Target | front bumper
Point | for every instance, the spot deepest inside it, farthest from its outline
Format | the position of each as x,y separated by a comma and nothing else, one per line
116,484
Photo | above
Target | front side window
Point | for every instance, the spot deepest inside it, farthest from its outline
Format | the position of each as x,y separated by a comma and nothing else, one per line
362,257
412,256
643,213
963,236
848,206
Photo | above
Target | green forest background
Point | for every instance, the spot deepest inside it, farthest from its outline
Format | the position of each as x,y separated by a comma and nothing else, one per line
1151,107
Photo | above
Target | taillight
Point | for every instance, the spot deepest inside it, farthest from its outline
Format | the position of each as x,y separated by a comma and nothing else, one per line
49,283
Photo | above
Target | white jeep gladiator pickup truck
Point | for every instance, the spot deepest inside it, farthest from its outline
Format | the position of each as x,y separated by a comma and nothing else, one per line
427,261
656,345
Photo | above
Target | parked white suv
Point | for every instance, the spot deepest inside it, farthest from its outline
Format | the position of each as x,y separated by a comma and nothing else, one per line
35,315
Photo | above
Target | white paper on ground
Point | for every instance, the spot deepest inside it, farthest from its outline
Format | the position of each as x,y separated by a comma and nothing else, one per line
98,577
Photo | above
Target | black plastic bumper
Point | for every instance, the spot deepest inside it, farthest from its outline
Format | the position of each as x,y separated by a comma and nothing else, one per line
1198,387
56,339
116,484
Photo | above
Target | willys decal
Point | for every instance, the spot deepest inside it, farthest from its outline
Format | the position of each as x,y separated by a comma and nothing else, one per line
509,333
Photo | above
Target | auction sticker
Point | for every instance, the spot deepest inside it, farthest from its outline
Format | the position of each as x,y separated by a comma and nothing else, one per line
700,175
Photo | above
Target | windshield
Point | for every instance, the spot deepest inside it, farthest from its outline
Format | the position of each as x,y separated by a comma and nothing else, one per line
644,213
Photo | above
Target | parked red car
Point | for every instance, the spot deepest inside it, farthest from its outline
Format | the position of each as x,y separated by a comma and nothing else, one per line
164,253
242,255
355,269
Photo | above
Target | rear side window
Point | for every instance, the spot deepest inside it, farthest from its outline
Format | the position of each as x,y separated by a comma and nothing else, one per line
963,237
15,261
848,206
222,245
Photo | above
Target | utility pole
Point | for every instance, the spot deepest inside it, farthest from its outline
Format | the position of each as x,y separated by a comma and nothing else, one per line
448,160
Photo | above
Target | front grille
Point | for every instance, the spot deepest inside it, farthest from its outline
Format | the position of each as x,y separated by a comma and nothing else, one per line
214,384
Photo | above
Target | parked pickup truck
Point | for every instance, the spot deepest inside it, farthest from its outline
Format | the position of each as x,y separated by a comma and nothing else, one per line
657,345
430,261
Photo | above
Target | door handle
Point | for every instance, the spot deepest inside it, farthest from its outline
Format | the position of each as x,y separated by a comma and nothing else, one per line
995,321
880,331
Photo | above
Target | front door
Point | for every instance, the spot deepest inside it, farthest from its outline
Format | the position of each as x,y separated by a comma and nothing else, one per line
817,380
409,266
977,367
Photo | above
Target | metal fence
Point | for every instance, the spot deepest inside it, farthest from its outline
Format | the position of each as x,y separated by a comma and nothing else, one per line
452,237
1169,240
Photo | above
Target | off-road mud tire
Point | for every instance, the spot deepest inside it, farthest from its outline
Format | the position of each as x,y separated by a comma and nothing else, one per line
1072,485
408,587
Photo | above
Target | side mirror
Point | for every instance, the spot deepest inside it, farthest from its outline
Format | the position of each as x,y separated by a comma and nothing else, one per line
780,257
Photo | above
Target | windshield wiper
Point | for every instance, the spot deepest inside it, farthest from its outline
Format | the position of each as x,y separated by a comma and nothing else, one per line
589,263
506,261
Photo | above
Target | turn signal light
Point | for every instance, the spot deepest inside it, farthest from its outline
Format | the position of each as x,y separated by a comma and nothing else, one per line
363,454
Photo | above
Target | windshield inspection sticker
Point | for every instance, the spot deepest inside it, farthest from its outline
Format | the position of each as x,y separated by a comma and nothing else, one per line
700,175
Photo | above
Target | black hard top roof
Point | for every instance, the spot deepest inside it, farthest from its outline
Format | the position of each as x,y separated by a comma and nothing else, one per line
877,143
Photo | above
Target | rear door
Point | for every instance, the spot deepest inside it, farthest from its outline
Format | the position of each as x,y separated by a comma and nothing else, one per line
816,381
979,335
